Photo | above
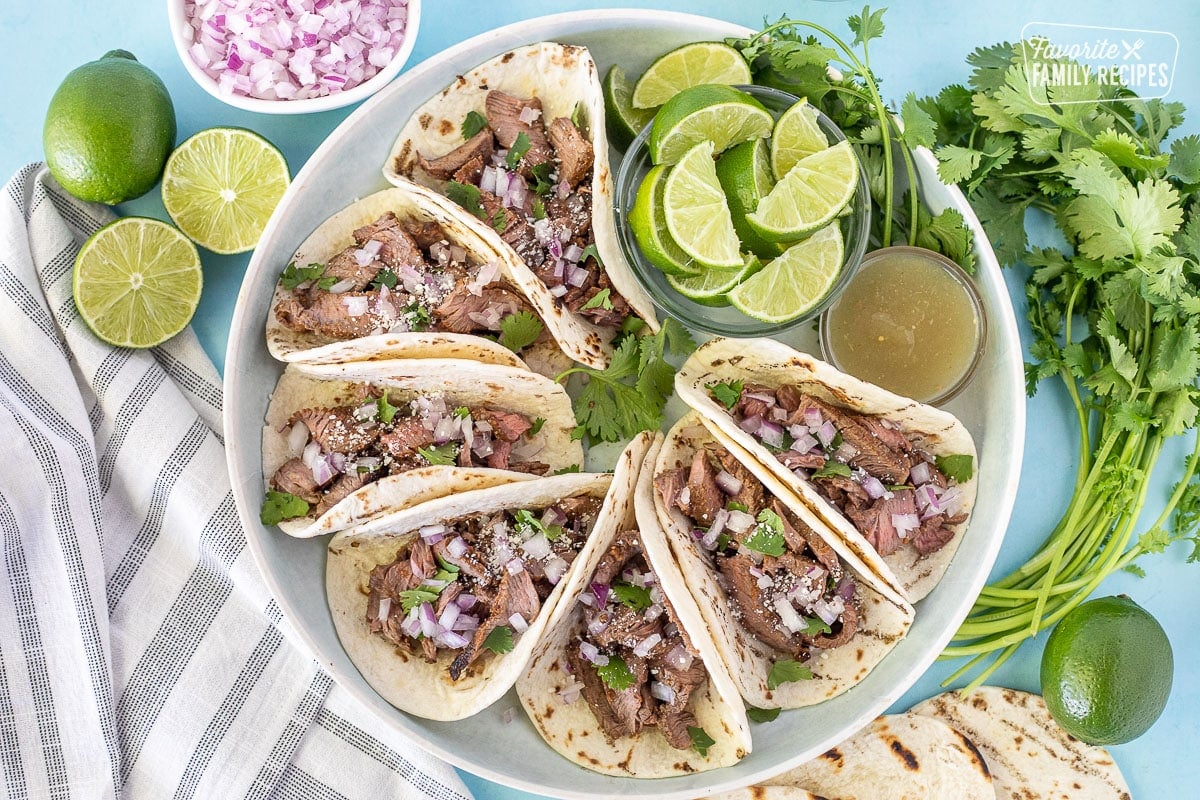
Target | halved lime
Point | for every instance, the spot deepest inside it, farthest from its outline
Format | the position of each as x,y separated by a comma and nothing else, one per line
811,194
795,282
137,282
221,185
745,175
697,213
687,66
622,120
711,287
718,114
648,221
796,136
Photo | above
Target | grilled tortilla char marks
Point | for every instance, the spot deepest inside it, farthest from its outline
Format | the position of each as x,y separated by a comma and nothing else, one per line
504,116
575,154
479,146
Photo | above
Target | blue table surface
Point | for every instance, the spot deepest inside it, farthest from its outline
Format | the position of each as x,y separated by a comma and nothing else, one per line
924,48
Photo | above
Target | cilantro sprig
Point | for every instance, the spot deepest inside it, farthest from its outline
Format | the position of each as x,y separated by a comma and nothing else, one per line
727,394
636,597
615,674
292,276
518,331
767,536
278,506
701,741
787,671
441,455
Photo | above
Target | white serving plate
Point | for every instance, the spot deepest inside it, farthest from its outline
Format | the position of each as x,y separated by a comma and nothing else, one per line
347,166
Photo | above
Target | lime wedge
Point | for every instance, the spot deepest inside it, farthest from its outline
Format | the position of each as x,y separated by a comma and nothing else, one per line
745,175
796,136
697,213
648,221
718,114
811,194
623,121
711,287
221,185
137,282
794,283
687,66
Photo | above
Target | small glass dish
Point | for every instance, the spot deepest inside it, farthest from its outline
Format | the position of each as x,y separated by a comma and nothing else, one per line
727,320
911,321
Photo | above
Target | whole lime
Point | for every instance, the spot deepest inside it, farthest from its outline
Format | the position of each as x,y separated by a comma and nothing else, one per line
1107,671
109,129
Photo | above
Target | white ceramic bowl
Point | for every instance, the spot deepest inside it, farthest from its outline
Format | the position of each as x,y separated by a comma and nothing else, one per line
175,15
348,165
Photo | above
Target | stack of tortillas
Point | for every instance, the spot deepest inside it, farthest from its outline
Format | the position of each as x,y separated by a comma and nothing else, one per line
995,743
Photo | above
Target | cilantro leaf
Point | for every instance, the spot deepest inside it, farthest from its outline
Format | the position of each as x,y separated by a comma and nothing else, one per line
541,175
814,626
385,277
615,674
461,412
919,128
278,506
599,300
465,195
567,470
591,252
518,331
701,741
499,221
1185,159
539,209
866,26
956,163
833,469
520,147
958,467
733,505
500,640
525,519
417,315
762,714
636,597
787,671
292,276
442,455
411,598
727,394
537,426
387,411
473,123
767,537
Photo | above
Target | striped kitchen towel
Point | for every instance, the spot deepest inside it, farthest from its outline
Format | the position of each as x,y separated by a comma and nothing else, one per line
141,655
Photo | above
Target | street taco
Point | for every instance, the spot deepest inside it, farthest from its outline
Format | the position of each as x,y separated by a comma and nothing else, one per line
796,614
398,275
627,680
519,143
894,478
345,442
440,606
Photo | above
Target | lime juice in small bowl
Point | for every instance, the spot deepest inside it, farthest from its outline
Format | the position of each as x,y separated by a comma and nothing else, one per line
791,268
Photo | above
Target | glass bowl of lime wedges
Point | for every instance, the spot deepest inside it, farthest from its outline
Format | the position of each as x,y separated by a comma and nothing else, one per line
742,210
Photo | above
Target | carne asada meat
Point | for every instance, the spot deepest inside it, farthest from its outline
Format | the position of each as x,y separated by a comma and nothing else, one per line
635,665
502,566
399,276
540,203
786,583
867,468
347,446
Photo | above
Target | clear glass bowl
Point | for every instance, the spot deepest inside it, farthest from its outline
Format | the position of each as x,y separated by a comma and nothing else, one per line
728,321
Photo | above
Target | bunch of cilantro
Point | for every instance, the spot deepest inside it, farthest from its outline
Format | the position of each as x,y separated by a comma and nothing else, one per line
1115,313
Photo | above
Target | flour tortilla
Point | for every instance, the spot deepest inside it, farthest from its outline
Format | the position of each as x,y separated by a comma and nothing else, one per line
571,729
769,363
1030,756
336,233
901,757
562,77
885,616
406,680
468,383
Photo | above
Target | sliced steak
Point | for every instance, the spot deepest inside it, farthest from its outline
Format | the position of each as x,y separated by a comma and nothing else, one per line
842,631
669,484
627,627
752,495
337,430
469,563
673,718
405,437
464,312
705,498
873,454
595,694
572,213
329,316
425,234
624,547
793,460
469,172
582,507
397,249
748,406
504,116
500,455
515,595
842,492
344,266
420,558
629,705
875,522
295,478
759,619
507,426
479,146
935,533
574,151
341,488
788,397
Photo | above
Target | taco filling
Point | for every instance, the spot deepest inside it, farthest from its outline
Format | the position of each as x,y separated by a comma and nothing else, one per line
786,583
345,447
530,179
475,584
863,465
399,276
634,665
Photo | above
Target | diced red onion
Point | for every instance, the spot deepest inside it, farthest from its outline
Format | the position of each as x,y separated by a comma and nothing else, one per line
740,521
529,115
920,473
905,524
751,424
600,592
451,640
678,657
779,414
587,599
516,193
576,276
487,273
872,486
591,653
728,483
487,180
449,616
385,608
951,501
429,626
297,438
685,495
788,615
643,648
845,589
322,471
465,601
553,515
542,231
660,691
342,286
311,454
845,452
928,501
770,433
412,624
826,433
508,715
514,565
466,622
411,279
518,623
483,446
597,624
720,520
653,612
457,253
764,397
813,418
536,546
562,190
830,610
555,568
559,290
570,693
432,533
449,427
555,248
803,444
573,253
355,306
765,581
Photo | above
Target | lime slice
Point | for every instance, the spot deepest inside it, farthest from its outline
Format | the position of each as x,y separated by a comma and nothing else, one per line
137,282
718,114
796,136
794,283
687,66
221,185
648,222
811,194
711,287
697,213
623,121
745,175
